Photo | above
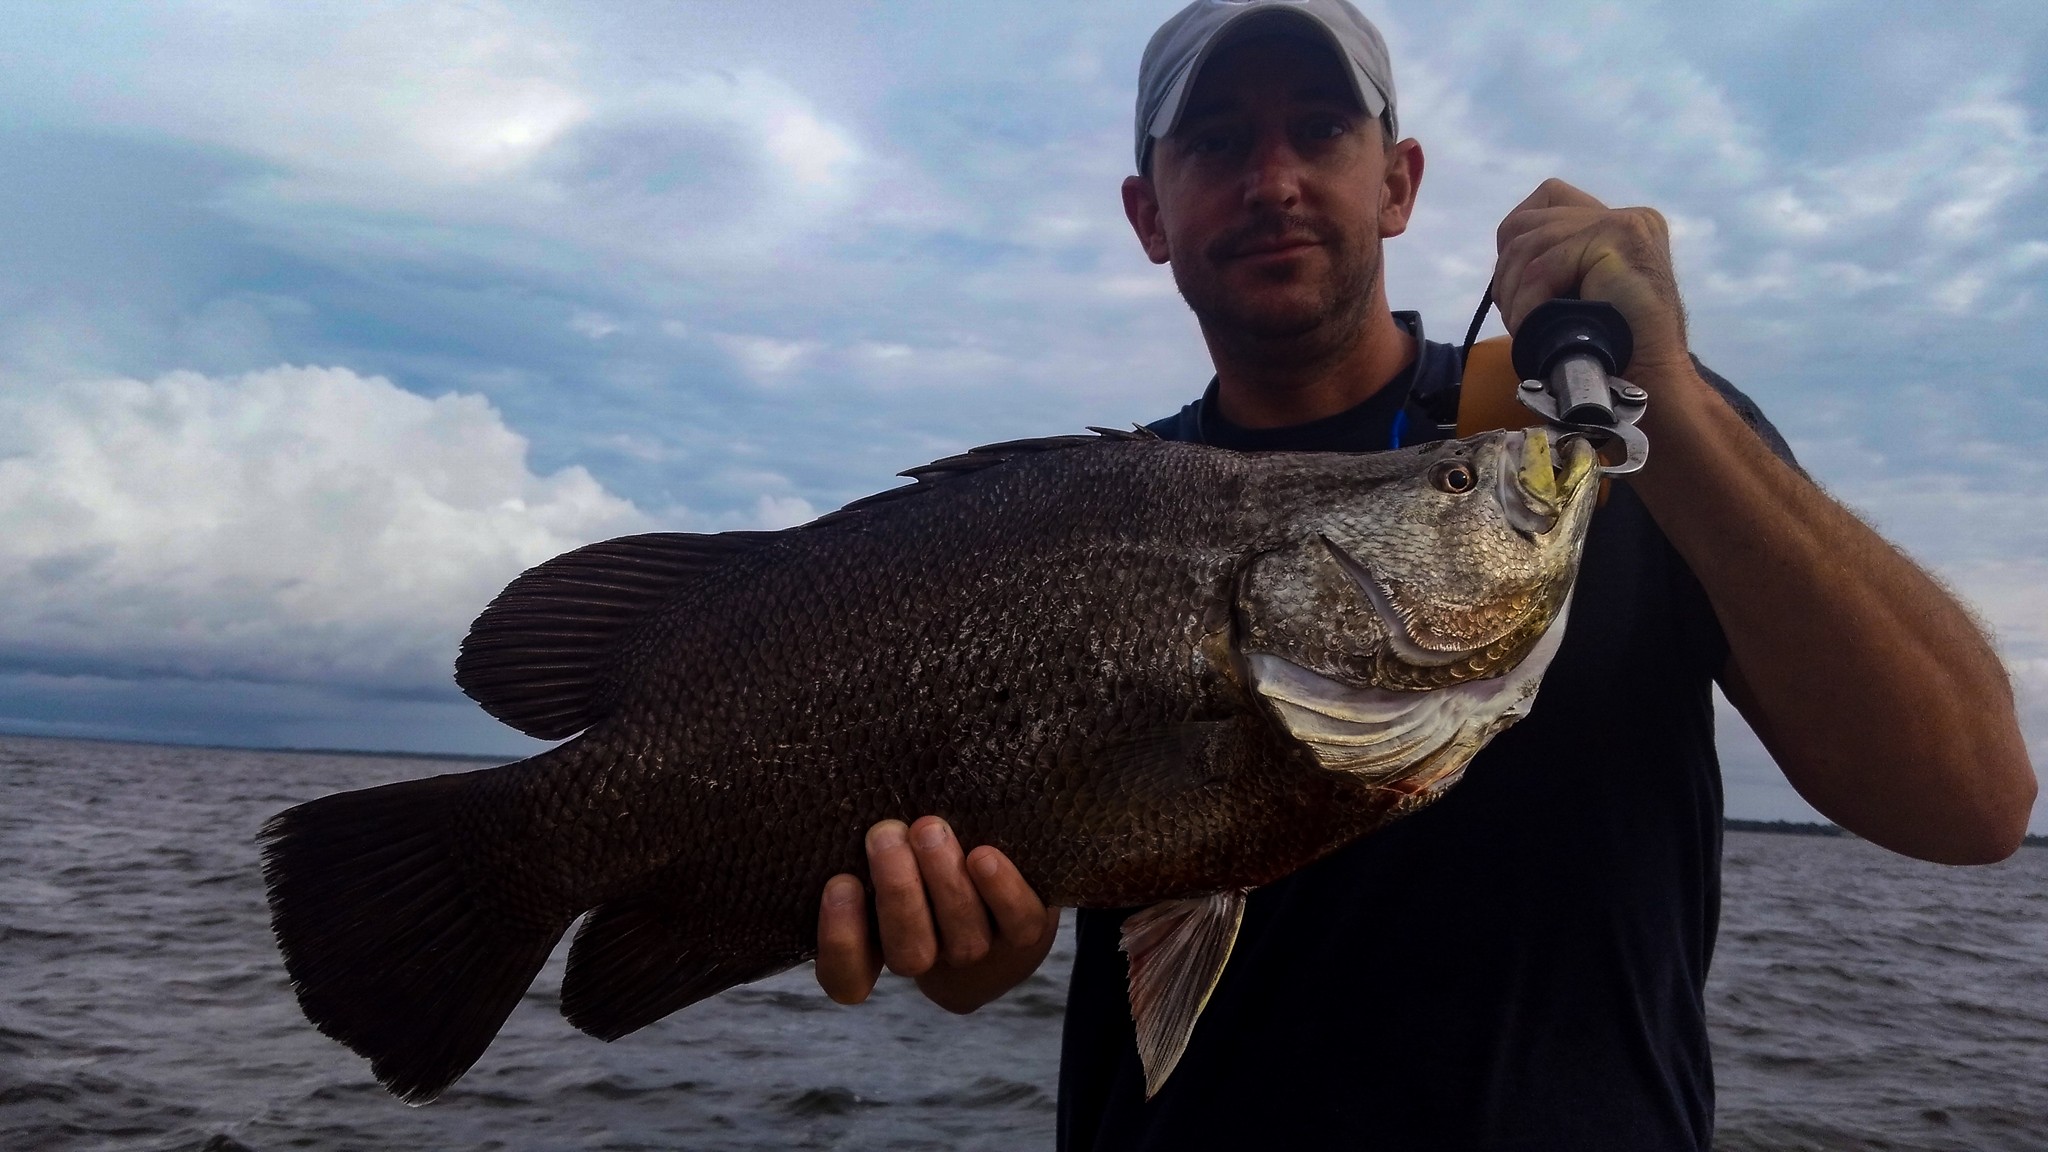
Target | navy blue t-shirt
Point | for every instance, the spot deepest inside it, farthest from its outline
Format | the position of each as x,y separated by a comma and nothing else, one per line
1520,965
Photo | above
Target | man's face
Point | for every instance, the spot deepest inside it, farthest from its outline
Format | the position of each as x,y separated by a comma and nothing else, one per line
1270,198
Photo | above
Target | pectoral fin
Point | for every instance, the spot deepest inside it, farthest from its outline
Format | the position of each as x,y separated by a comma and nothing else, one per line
1177,950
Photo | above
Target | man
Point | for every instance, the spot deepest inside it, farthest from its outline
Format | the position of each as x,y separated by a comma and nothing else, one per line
1520,965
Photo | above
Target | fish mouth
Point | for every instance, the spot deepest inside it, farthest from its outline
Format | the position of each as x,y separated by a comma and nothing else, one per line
1547,473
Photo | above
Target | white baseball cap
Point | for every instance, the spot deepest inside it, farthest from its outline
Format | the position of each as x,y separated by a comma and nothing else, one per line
1183,44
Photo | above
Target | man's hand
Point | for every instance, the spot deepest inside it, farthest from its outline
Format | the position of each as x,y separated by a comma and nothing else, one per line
965,926
1562,242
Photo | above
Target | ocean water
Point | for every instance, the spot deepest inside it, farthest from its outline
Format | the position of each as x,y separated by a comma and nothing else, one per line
1859,1000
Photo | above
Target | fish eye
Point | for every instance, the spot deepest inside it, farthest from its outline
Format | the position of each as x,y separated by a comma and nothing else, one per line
1453,476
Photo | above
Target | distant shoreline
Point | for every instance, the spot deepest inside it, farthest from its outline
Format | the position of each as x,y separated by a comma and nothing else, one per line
385,754
1783,827
1802,828
1732,824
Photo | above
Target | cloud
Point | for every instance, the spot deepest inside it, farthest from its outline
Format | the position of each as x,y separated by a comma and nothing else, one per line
1831,179
1937,194
782,511
295,524
717,166
595,325
478,131
344,99
763,358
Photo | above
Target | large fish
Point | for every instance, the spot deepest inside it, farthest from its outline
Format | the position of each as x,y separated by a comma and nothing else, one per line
1149,672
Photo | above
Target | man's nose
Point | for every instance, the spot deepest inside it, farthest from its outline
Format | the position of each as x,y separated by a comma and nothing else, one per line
1272,177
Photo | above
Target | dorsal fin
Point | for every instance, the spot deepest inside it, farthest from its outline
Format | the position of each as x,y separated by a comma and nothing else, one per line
975,460
536,657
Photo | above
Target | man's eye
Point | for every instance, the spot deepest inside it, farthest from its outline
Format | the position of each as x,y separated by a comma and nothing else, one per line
1209,143
1324,128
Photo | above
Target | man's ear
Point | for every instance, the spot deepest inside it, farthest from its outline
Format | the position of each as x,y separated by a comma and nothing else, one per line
1403,180
1141,206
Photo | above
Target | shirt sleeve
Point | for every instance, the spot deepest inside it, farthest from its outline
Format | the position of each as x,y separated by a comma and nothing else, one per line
1750,413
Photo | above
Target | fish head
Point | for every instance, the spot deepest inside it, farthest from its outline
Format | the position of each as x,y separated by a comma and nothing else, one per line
1392,576
1429,567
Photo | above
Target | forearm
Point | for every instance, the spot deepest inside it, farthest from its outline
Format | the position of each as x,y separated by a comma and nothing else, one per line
1875,691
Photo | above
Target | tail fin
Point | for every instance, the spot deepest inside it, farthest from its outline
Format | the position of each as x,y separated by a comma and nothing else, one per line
388,945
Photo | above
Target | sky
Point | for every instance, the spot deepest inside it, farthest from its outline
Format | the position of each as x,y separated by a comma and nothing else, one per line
319,322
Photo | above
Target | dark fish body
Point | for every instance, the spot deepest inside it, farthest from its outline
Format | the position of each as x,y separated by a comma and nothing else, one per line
1144,670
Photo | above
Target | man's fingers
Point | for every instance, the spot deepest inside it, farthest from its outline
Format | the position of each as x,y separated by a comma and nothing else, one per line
926,899
1541,264
909,943
1619,255
1019,914
929,895
847,962
1538,259
955,904
1523,221
1593,253
1552,193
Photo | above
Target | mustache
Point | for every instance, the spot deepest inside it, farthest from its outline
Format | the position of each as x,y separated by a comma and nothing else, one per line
1271,229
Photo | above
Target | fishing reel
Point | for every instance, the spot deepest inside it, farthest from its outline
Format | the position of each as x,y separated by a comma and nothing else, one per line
1569,355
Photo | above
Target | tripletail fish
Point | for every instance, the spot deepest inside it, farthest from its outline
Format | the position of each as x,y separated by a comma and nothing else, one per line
1151,673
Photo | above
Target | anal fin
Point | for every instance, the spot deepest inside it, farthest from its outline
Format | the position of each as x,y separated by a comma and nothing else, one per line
1177,950
633,962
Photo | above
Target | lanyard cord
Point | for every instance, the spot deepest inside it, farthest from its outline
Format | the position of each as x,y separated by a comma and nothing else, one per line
1478,318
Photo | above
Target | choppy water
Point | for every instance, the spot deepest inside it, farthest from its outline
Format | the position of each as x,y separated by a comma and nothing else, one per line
1861,1001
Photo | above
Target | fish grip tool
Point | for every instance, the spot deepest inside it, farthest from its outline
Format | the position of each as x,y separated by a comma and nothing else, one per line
1570,355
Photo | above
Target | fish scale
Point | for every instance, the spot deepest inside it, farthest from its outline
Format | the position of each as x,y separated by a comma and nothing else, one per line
1054,645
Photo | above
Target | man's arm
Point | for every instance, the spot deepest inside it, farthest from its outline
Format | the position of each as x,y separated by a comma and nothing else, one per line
1874,690
934,905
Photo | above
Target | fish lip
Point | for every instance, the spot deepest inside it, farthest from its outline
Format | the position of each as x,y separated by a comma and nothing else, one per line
1536,513
1399,636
